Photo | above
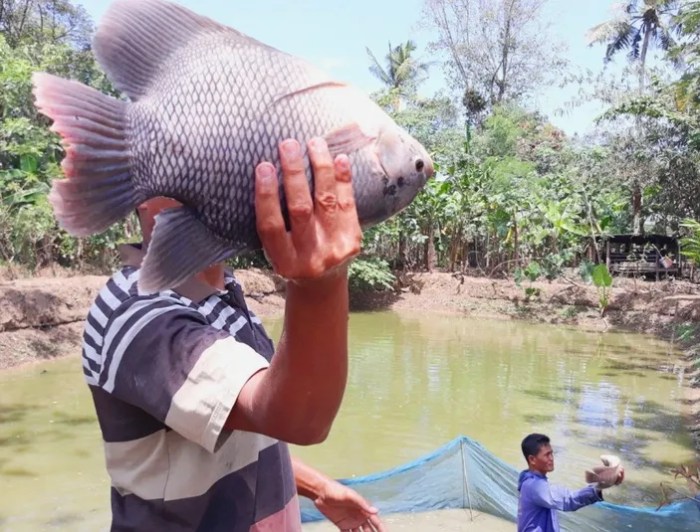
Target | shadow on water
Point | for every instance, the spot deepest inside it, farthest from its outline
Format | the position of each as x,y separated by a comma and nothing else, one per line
59,428
536,419
72,421
18,472
628,368
63,521
13,413
634,374
547,396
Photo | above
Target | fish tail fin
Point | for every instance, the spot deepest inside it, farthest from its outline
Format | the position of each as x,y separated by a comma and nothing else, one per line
98,190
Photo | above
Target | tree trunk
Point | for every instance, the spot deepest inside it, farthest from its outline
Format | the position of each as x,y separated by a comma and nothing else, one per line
516,249
637,228
430,255
643,60
403,257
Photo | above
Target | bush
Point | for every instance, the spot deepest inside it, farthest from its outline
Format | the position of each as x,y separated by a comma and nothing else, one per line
366,274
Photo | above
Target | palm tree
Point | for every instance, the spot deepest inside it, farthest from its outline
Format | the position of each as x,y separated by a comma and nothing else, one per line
644,22
402,72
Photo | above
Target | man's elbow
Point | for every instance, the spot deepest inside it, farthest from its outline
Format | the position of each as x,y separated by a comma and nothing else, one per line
298,425
309,436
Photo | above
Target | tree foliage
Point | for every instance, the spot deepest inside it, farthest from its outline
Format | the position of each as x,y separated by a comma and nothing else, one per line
636,26
51,37
496,50
513,195
39,22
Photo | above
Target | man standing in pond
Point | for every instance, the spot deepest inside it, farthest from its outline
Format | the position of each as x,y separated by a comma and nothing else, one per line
539,500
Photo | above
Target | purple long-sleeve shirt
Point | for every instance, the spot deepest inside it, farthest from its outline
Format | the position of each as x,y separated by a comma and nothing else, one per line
539,501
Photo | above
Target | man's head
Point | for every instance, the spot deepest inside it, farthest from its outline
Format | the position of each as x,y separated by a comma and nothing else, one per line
538,453
148,210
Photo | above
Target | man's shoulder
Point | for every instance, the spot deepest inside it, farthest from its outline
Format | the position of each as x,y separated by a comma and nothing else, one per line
531,481
121,289
119,299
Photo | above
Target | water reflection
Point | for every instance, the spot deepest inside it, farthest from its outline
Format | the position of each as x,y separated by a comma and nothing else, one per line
416,381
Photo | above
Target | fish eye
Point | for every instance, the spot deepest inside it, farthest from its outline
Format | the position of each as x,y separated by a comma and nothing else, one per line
419,165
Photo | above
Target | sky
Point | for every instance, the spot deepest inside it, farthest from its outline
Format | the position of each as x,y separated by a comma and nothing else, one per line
334,34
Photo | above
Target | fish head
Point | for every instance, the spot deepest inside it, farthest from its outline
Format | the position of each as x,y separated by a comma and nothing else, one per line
399,167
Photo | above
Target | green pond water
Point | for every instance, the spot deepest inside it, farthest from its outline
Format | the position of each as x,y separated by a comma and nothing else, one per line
416,382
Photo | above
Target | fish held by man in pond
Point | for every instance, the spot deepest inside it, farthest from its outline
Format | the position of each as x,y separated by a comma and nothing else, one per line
206,105
607,474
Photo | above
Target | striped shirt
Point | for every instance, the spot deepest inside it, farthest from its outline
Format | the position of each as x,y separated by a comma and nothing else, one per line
165,370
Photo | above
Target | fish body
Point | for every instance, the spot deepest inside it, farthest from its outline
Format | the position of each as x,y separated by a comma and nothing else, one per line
206,105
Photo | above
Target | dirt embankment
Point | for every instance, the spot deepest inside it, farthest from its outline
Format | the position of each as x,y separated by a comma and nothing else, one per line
41,317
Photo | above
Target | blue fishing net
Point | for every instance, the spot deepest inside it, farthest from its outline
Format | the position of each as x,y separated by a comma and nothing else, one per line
463,474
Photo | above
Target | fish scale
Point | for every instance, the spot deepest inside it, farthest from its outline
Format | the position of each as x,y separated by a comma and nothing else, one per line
206,105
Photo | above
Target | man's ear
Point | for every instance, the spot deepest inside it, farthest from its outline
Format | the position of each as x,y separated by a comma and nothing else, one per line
531,460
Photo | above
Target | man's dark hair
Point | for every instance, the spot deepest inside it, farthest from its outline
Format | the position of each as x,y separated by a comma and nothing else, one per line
532,444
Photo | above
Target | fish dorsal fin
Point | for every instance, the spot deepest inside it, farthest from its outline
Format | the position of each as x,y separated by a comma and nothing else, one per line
135,38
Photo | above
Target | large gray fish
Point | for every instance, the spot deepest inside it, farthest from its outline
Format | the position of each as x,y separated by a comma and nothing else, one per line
207,104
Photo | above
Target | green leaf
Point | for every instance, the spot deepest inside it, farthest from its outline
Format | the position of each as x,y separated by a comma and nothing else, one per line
601,276
28,163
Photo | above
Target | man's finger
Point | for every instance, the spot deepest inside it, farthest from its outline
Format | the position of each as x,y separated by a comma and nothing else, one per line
343,185
325,197
296,188
268,213
377,523
347,218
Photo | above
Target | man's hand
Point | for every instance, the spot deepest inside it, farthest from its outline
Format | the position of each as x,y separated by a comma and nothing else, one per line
297,398
620,477
325,231
347,509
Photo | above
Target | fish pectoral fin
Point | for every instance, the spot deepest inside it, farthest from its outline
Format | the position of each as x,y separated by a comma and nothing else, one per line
180,247
347,139
309,88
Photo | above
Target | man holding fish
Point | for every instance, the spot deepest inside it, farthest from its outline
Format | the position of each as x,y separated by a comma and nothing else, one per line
194,402
539,500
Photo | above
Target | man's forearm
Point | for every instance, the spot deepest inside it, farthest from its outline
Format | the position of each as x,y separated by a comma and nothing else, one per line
304,385
309,481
